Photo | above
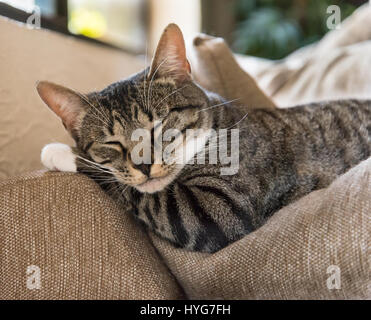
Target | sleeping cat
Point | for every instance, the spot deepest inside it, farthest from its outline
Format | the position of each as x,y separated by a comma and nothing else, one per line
283,154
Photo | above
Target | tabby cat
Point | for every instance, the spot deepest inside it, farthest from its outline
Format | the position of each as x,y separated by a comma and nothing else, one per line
284,154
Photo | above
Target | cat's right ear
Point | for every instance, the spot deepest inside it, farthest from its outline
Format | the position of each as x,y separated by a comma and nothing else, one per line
170,58
65,103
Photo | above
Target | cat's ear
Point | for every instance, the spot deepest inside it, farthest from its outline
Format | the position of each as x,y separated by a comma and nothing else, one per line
170,59
65,103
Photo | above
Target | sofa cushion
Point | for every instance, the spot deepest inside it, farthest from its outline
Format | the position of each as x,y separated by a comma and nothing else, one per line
216,69
315,248
84,246
335,68
341,73
27,56
354,29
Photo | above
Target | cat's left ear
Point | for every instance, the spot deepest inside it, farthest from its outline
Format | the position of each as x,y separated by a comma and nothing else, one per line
65,103
170,59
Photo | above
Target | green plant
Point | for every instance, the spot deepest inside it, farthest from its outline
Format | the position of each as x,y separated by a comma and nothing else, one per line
273,29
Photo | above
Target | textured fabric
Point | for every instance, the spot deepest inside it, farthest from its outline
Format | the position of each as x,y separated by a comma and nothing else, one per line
356,28
340,74
85,247
27,56
216,69
337,67
289,257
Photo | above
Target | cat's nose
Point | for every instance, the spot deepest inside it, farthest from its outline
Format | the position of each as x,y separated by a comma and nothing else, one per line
144,168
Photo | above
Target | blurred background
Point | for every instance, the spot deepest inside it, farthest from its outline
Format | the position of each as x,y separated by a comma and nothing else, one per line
263,28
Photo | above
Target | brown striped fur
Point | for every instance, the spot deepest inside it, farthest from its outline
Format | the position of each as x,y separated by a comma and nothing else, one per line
284,153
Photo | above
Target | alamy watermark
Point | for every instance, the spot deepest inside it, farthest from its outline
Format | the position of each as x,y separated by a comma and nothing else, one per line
34,20
173,146
33,277
334,20
334,280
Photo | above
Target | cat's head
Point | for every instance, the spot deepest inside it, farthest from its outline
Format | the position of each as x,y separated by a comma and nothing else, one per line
117,128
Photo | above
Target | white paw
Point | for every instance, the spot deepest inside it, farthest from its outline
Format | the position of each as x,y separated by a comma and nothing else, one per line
58,156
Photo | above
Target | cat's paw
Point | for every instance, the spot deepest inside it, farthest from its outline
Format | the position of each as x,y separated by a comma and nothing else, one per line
58,157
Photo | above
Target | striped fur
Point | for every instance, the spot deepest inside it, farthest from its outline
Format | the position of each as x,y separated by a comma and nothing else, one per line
284,155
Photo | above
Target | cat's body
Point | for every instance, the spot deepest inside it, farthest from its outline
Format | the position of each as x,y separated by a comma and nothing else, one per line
284,154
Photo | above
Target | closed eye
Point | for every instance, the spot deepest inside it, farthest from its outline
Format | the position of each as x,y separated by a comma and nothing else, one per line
119,144
181,109
104,162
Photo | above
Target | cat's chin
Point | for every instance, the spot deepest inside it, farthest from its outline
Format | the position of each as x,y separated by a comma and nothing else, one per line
154,185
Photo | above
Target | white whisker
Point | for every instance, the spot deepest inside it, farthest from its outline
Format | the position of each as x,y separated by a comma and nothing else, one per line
239,121
145,76
97,165
150,83
218,105
94,107
170,95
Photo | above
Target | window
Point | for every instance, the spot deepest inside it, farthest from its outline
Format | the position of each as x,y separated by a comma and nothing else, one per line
118,22
132,25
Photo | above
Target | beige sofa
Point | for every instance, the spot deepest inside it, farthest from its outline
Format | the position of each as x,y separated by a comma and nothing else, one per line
85,247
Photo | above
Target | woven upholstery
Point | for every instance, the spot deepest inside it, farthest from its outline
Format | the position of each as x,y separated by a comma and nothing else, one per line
85,247
216,69
337,67
289,256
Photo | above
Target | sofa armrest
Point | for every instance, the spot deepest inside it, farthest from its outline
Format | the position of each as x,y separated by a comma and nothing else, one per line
81,244
215,68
